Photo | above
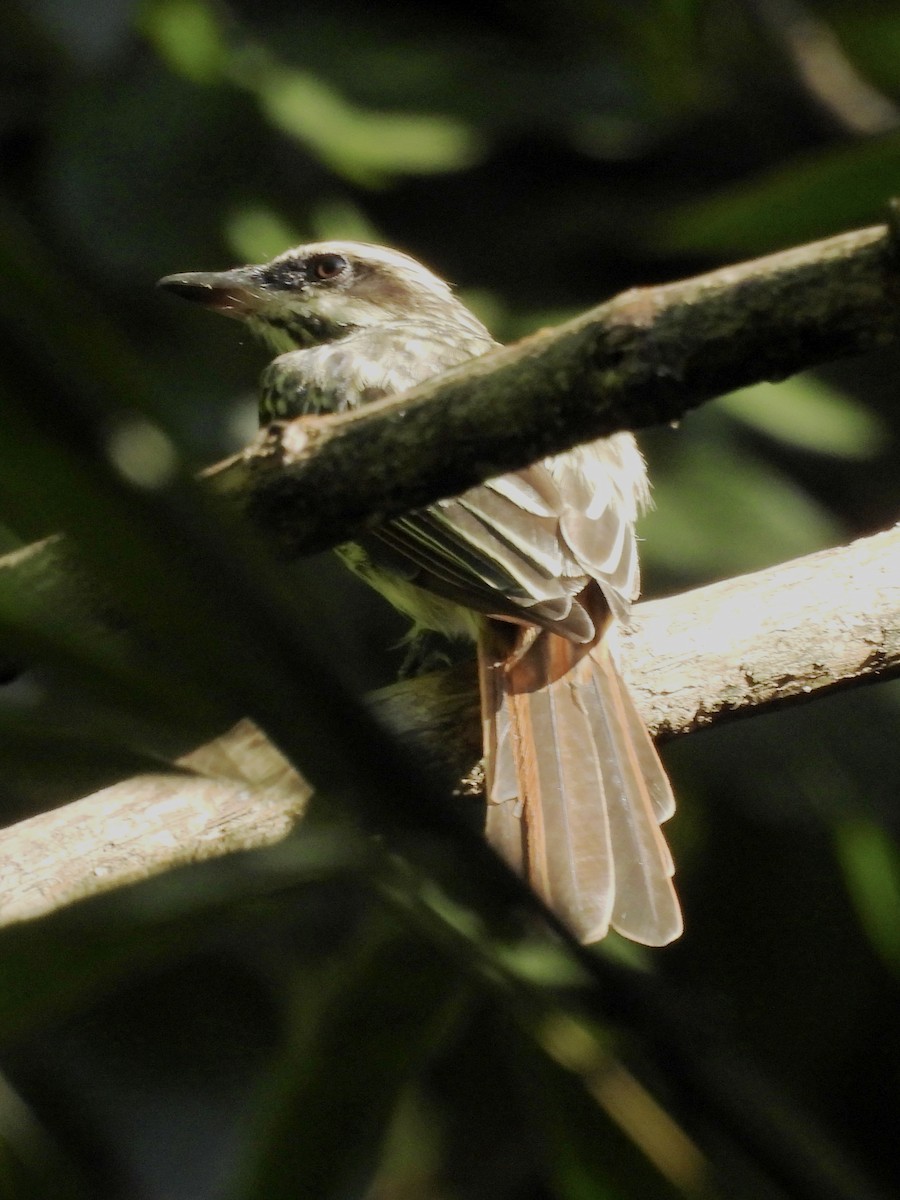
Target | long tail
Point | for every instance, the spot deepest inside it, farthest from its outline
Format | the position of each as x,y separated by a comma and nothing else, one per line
576,791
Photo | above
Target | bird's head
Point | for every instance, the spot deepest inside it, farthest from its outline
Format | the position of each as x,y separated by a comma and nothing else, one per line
324,291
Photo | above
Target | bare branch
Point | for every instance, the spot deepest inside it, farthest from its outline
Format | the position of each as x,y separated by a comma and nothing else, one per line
819,624
777,637
245,795
647,356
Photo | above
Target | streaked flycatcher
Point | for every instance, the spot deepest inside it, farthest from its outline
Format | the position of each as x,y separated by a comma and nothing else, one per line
535,566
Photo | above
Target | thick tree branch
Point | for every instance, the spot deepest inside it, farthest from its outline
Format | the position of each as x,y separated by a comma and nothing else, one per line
777,637
646,357
819,624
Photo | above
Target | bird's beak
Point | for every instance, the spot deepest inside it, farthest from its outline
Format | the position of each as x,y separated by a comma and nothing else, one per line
235,293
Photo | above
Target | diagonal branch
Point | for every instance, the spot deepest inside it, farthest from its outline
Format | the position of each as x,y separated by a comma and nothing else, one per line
646,356
780,636
649,355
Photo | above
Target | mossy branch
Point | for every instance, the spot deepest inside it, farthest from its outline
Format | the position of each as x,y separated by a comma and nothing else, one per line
646,357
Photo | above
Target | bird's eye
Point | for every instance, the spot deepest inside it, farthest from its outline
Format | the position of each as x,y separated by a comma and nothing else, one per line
327,266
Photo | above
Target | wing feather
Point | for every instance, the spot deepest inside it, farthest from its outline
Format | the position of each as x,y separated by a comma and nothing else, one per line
523,544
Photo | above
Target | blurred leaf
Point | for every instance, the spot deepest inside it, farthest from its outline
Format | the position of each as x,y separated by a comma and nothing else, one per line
60,961
411,1156
255,233
135,174
188,35
90,32
322,1122
871,35
151,691
110,669
46,764
340,218
809,198
54,322
806,412
665,45
871,864
719,510
32,1167
585,1154
363,146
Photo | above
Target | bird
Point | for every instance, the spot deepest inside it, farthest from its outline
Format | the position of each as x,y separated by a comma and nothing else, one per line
537,567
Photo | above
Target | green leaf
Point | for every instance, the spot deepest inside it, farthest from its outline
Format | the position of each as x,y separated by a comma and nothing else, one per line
871,864
719,510
46,763
110,669
806,412
363,146
501,1092
815,195
256,233
32,1165
360,1029
56,963
189,36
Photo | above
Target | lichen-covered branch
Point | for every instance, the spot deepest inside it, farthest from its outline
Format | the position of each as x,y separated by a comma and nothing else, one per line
781,636
646,357
777,637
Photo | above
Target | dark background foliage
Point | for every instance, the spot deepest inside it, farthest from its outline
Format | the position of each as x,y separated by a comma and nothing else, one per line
218,1040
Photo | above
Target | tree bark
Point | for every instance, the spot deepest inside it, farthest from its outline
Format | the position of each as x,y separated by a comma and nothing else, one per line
649,355
777,637
645,357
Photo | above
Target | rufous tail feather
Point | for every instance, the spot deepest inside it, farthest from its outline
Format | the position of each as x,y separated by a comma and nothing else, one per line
576,791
